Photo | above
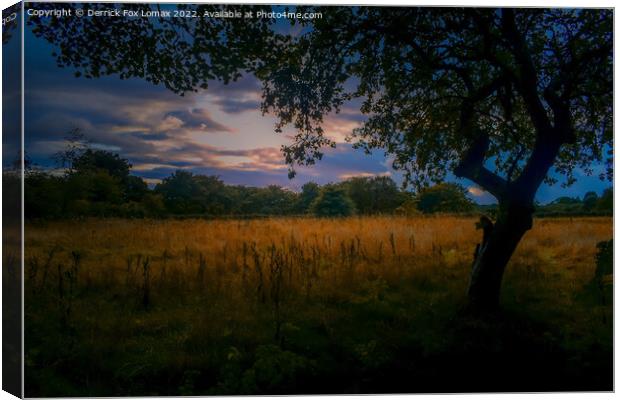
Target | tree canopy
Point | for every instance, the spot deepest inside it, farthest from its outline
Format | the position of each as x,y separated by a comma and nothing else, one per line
495,95
333,201
444,197
498,96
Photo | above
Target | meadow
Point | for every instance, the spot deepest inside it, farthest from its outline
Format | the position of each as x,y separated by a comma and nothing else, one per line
308,305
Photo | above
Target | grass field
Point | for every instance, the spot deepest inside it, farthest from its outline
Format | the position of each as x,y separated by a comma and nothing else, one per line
302,305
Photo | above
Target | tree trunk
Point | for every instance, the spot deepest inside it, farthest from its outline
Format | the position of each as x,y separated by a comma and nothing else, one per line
493,256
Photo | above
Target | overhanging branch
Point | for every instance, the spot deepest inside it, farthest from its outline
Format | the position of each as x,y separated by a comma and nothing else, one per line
527,80
472,167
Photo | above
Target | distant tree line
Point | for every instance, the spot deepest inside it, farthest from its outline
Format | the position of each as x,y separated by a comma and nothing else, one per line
589,204
98,183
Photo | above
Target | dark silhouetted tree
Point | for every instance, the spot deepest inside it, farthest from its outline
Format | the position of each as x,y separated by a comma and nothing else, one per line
444,197
186,193
76,144
497,96
101,160
374,195
589,201
135,189
181,193
606,201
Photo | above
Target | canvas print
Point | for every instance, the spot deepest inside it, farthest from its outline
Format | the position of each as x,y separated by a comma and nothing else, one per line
230,199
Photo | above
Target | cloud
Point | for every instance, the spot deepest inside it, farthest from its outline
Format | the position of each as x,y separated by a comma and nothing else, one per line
169,123
235,106
257,167
120,112
476,191
236,97
194,119
339,126
159,131
346,176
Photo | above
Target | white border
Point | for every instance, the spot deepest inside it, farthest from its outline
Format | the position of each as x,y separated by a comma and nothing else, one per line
479,3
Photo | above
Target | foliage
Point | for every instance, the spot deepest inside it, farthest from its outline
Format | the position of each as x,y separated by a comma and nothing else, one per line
590,204
604,258
606,201
101,161
374,195
444,197
333,201
89,190
309,192
186,193
444,88
589,201
182,54
99,183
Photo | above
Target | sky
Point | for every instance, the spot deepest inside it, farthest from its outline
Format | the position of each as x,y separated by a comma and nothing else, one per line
219,131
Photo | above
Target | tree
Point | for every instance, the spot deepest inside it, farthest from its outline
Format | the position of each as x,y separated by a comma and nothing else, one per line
211,195
589,201
181,193
43,195
76,145
135,189
272,200
444,197
332,202
91,192
606,201
566,200
309,192
497,96
373,195
101,160
186,193
182,54
98,180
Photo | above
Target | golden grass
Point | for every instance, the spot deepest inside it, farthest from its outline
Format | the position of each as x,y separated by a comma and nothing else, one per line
198,295
389,247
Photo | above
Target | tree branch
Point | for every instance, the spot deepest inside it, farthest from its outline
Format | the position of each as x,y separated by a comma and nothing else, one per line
472,167
526,78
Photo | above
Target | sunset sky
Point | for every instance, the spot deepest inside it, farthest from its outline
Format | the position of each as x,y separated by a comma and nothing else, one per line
220,131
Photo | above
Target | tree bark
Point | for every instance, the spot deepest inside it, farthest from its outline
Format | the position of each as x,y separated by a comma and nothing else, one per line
493,256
